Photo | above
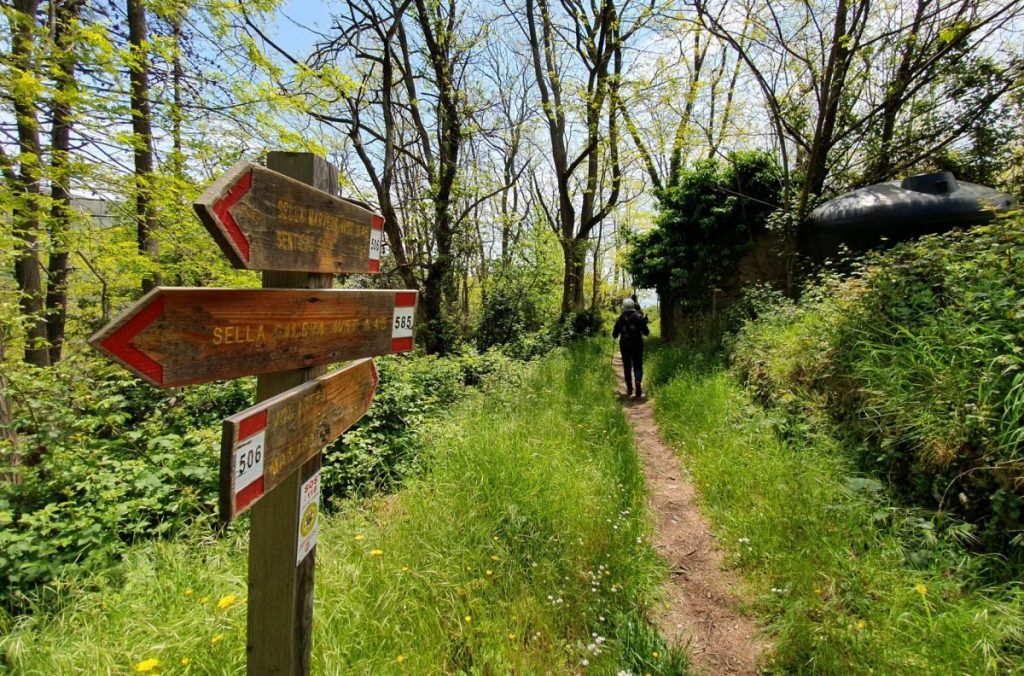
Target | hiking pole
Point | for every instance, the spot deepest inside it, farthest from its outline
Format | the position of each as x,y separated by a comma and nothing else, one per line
615,375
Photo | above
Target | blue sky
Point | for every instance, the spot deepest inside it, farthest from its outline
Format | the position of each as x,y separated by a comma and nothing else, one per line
292,19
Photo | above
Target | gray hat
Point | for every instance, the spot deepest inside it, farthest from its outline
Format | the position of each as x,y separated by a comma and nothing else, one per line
627,304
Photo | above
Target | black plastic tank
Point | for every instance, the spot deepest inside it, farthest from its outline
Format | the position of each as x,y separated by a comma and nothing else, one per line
889,212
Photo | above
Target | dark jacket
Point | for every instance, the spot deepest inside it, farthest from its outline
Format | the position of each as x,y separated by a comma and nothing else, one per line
630,328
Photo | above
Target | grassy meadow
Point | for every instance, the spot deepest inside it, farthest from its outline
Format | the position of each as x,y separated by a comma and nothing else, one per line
524,548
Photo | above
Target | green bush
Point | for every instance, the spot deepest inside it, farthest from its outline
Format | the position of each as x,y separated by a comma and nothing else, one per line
507,313
581,324
107,461
110,460
917,362
707,219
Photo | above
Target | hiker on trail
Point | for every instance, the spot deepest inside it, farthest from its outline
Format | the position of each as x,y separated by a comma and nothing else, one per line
630,328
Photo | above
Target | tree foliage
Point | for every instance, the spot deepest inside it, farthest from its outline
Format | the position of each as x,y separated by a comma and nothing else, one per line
705,223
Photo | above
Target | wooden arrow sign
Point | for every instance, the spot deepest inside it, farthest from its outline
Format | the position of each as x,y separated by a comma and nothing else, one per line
179,336
264,220
264,444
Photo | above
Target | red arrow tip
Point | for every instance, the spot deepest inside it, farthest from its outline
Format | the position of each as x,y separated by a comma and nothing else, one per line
373,383
222,208
119,342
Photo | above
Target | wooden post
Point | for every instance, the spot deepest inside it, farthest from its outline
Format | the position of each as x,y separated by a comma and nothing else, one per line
268,219
280,621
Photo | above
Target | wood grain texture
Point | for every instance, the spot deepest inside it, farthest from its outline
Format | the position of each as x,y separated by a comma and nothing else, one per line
264,220
189,336
295,426
279,626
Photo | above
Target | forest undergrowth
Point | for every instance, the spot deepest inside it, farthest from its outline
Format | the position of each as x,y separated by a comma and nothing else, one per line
858,454
523,547
836,570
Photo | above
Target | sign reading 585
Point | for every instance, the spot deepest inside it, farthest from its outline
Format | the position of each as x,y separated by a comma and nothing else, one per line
402,319
401,326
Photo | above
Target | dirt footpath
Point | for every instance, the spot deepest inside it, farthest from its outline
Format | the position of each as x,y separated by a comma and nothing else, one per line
702,613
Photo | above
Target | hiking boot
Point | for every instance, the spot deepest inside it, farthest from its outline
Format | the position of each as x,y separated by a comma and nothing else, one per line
639,393
629,392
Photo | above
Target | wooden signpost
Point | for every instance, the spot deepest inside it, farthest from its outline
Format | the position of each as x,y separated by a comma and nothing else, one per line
264,220
174,336
266,443
282,220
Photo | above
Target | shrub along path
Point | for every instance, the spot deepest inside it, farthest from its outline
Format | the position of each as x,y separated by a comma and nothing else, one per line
701,611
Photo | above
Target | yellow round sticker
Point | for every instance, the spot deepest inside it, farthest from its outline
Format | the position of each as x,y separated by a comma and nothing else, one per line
308,520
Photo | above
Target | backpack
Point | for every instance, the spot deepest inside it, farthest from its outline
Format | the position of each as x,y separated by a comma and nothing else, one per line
633,326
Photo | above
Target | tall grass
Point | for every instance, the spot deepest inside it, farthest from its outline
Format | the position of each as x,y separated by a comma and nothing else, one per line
850,583
916,361
523,549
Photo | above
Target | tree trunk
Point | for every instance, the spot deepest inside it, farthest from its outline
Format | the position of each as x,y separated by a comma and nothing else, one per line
440,288
60,181
574,256
142,140
13,457
844,39
670,314
880,168
579,273
27,210
177,110
596,270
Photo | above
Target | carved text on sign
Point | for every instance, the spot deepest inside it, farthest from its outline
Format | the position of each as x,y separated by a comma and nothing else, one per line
264,220
264,444
175,337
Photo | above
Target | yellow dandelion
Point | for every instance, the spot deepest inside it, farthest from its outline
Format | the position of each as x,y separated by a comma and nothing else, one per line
489,572
494,537
469,567
920,589
147,665
468,618
185,661
511,636
494,558
227,601
861,624
400,659
189,592
217,638
655,654
360,538
203,599
376,552
405,569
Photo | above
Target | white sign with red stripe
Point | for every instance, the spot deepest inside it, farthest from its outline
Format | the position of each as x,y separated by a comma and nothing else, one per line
376,242
309,516
249,456
402,320
268,442
249,453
